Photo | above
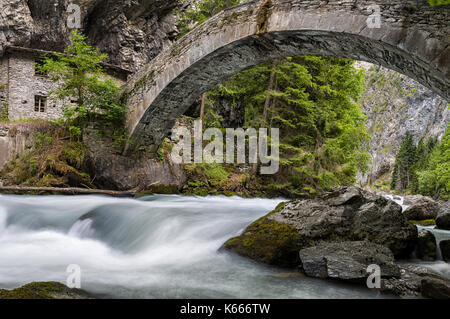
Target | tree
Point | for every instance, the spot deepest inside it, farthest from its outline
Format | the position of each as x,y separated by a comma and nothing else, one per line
405,159
313,102
434,180
84,88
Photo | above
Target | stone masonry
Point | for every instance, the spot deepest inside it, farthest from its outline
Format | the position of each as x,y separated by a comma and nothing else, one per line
23,85
25,94
413,40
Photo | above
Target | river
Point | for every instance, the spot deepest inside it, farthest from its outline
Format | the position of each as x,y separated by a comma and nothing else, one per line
160,246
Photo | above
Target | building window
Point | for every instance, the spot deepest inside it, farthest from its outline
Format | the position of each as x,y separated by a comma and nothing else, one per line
40,103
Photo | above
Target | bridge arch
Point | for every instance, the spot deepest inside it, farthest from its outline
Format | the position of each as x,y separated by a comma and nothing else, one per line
413,39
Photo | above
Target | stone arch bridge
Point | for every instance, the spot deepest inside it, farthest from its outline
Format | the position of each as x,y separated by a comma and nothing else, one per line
413,39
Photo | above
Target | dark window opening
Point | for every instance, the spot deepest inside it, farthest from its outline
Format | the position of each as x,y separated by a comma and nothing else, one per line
40,103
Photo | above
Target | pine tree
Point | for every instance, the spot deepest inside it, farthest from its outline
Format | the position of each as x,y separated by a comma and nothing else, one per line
403,173
312,101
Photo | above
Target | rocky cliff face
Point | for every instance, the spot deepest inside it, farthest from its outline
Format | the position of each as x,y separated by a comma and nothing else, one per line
396,105
131,31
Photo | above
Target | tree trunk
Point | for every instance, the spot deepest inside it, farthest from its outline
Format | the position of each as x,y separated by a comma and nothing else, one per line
266,108
270,88
202,108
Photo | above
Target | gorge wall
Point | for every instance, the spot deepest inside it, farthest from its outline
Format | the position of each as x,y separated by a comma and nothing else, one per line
396,105
131,32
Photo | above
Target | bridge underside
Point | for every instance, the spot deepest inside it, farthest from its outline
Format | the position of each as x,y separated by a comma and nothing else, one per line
163,92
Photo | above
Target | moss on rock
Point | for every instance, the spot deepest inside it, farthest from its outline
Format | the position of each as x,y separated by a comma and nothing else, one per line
425,222
44,290
268,241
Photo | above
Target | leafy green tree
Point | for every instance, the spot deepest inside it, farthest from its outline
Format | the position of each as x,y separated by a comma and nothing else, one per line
86,91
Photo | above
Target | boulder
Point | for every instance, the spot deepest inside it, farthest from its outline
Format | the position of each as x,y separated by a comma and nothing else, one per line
345,214
424,208
444,245
443,220
411,200
410,283
426,246
347,260
435,288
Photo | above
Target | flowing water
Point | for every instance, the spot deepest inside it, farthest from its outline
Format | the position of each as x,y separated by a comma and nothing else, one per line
162,246
439,265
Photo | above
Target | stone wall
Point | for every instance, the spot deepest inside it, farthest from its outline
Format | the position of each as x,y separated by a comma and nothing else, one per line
23,85
15,139
110,170
3,88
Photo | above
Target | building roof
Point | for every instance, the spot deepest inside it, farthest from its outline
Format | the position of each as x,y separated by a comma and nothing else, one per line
111,67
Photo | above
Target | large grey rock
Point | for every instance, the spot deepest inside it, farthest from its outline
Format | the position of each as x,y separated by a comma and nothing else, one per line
436,288
426,245
444,245
424,208
410,283
410,200
443,220
347,260
346,214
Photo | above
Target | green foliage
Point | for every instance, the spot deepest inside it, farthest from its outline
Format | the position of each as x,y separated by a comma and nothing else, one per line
201,11
434,180
4,114
425,168
82,80
404,164
313,102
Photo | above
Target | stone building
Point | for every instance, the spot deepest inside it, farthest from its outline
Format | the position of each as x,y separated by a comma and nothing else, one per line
24,92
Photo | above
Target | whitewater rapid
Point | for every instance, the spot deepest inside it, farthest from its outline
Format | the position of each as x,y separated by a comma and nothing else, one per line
162,246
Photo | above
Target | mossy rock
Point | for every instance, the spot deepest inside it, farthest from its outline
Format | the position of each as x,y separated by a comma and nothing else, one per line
268,241
345,214
44,290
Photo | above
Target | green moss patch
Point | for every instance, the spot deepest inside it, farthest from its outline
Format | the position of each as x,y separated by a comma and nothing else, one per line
269,241
425,222
43,290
